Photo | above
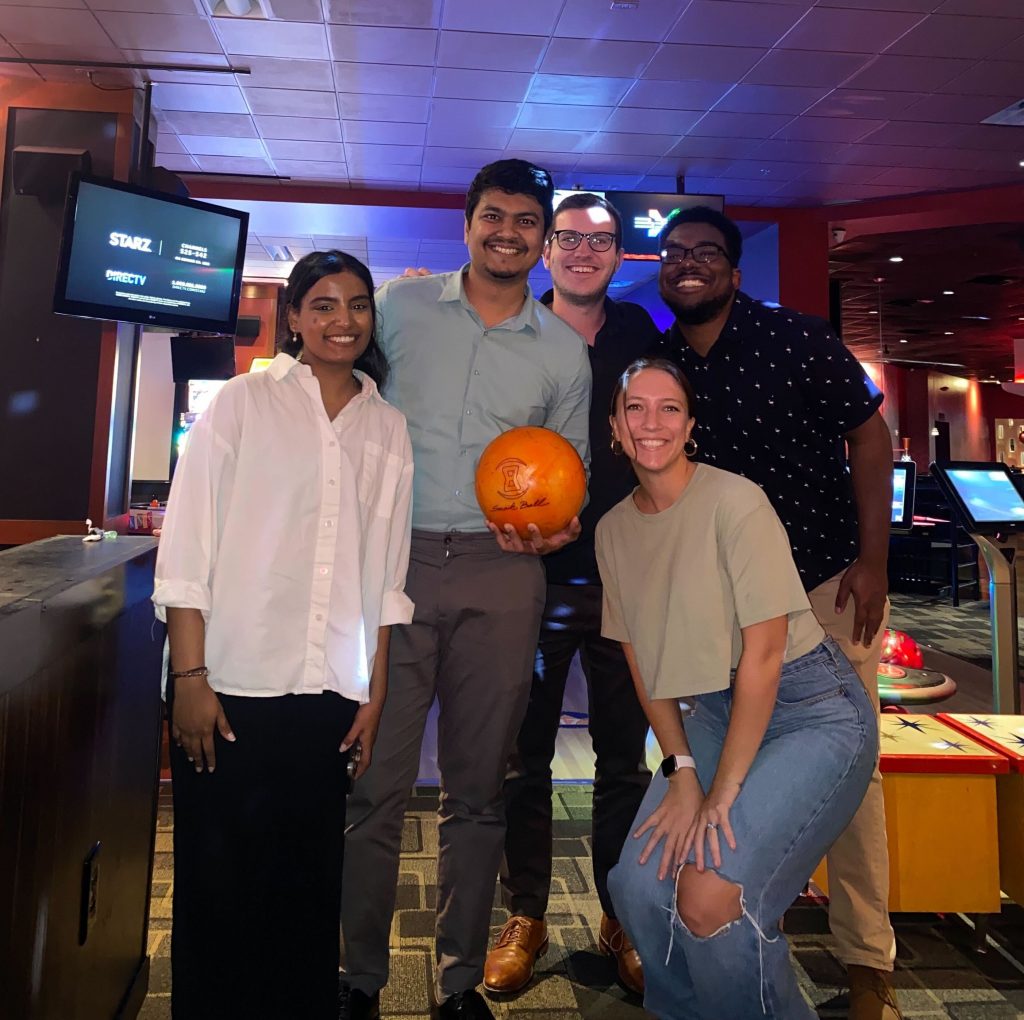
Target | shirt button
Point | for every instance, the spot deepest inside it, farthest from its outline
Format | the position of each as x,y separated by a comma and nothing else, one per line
324,571
462,453
330,481
328,524
476,371
468,412
319,616
458,492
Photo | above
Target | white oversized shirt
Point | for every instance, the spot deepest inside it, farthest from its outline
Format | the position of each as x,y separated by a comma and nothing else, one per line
290,532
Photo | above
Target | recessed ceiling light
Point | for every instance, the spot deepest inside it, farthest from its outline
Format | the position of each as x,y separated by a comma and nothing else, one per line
1021,163
872,312
948,293
948,332
904,341
895,258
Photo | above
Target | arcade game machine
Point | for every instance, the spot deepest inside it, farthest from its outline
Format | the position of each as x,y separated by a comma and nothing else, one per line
200,366
902,678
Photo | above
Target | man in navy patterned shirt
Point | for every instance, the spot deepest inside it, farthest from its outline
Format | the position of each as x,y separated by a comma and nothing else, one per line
778,396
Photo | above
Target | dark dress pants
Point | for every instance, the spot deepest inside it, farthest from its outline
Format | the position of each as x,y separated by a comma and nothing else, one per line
618,729
258,850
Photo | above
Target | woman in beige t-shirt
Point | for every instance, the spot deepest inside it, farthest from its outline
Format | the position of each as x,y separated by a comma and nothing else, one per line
774,757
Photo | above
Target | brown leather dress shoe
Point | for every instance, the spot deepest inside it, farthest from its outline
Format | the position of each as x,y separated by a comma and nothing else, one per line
614,942
509,965
872,996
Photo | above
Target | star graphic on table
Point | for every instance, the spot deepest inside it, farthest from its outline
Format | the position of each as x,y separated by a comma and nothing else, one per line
974,721
889,736
1017,739
952,745
910,724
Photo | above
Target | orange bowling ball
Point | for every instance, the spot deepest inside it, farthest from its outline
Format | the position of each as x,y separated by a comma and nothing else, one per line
530,475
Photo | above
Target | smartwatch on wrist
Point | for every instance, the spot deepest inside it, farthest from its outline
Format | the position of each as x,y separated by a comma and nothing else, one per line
674,762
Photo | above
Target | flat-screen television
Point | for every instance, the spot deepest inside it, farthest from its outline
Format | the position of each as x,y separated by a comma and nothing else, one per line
644,214
135,255
986,495
904,484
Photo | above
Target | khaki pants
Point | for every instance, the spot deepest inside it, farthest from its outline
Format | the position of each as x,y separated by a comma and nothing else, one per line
858,863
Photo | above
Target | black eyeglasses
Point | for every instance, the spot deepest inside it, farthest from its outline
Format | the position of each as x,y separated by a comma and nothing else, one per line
702,254
570,240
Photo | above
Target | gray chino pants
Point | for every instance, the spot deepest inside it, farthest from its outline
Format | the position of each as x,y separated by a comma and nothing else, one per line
472,643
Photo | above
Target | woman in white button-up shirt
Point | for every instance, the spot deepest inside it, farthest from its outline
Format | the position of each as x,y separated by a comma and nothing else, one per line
281,569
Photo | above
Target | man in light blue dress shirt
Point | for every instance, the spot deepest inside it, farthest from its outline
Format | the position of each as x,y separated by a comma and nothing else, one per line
472,355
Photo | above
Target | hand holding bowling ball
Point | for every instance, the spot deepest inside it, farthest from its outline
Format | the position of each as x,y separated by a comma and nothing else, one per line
530,476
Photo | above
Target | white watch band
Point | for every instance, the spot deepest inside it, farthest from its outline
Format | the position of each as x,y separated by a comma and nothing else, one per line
679,761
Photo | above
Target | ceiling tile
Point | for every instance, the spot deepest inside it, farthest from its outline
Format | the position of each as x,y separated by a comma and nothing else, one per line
472,112
908,74
158,32
603,162
862,103
490,52
736,188
983,8
740,125
385,132
916,177
550,141
583,19
272,38
570,118
205,98
138,6
657,122
829,129
42,26
168,143
657,182
391,13
391,80
453,134
821,70
330,152
232,125
404,109
988,78
583,91
840,173
598,181
363,45
784,150
233,165
460,175
377,172
175,162
298,10
848,31
311,168
361,154
458,83
676,95
736,148
281,102
952,109
906,132
456,157
472,16
317,129
674,62
631,144
724,23
913,6
211,145
551,161
941,35
1001,138
762,170
769,99
64,4
585,56
867,154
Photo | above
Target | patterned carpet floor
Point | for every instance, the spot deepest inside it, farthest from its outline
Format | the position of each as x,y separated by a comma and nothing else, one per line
939,974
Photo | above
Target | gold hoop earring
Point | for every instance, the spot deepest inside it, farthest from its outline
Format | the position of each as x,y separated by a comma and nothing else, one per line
690,447
616,447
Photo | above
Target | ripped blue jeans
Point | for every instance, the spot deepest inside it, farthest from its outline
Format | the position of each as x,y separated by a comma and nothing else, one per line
803,788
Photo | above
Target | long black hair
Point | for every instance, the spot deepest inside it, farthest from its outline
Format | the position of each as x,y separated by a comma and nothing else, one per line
307,272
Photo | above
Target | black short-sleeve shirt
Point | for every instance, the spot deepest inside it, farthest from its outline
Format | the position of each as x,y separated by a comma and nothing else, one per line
776,394
628,333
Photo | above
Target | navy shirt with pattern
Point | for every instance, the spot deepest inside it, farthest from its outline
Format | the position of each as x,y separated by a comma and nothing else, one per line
775,396
628,333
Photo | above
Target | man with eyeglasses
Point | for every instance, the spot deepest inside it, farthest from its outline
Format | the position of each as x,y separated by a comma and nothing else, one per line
778,395
583,252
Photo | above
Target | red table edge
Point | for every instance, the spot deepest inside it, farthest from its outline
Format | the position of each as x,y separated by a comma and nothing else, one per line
896,763
1015,761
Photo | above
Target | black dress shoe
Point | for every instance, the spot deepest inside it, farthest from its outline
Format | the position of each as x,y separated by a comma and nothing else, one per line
461,1006
356,1005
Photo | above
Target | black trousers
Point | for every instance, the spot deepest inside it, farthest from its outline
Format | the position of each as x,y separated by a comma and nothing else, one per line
618,729
258,851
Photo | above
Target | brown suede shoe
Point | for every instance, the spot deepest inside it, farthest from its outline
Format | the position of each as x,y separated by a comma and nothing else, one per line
613,941
872,996
509,965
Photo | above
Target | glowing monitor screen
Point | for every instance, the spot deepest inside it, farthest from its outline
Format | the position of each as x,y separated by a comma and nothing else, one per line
989,496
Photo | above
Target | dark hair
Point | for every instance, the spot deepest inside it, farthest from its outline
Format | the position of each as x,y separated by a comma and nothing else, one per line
662,365
713,218
309,271
588,200
514,177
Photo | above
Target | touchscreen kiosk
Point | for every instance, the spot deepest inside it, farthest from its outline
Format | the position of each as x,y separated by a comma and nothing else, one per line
904,483
986,495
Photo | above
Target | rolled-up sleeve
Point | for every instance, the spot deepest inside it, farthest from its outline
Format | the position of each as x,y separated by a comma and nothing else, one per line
396,606
188,541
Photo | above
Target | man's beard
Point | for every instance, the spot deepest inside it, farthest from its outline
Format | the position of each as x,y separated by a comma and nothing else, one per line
698,314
